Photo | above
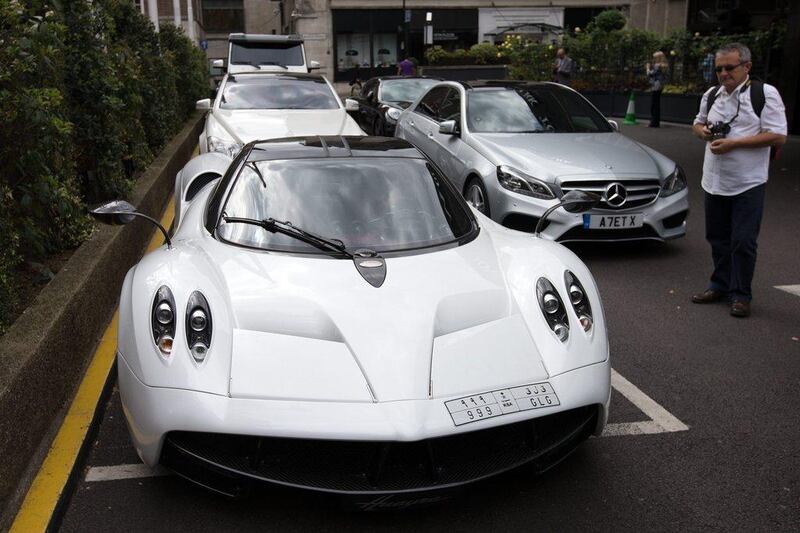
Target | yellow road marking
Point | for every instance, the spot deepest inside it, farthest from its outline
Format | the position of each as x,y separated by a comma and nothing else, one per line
46,490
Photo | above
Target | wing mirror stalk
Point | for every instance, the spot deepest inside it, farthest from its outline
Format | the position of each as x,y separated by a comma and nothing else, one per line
449,127
576,201
119,212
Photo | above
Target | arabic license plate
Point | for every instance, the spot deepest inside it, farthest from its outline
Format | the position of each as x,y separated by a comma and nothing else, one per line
501,402
613,221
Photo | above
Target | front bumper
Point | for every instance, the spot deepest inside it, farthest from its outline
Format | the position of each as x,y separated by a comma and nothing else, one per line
206,432
664,219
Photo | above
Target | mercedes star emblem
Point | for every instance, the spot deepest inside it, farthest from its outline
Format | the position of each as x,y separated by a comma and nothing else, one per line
616,195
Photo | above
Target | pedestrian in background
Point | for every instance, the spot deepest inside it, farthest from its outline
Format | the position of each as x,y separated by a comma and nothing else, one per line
657,76
405,67
707,68
563,68
740,120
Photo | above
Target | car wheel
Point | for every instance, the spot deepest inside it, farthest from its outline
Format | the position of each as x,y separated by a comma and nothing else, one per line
476,196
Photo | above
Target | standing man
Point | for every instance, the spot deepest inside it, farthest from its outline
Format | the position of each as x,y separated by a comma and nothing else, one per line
739,120
563,67
405,67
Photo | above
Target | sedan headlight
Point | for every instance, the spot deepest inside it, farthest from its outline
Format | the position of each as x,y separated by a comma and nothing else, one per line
393,114
229,148
675,182
519,182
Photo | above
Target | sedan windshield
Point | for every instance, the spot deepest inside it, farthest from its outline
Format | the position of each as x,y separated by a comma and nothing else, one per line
404,90
383,204
532,110
277,92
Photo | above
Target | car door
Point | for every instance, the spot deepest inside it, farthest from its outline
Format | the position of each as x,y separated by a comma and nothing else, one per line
418,125
447,149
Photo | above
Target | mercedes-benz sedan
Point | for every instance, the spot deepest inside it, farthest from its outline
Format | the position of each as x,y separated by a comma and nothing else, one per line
514,148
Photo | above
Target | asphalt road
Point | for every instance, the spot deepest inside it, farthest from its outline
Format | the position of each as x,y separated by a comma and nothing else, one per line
733,382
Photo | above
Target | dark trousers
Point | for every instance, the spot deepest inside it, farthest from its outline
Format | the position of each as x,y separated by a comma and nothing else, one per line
655,108
732,225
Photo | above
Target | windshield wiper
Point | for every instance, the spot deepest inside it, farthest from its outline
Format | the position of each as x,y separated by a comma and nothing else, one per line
287,228
272,64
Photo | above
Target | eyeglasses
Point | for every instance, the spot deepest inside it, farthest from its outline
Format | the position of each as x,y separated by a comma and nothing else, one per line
728,68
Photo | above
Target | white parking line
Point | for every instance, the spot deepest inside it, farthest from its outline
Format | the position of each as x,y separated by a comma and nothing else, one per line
661,421
791,289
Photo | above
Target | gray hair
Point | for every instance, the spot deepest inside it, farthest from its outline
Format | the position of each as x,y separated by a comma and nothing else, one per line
744,52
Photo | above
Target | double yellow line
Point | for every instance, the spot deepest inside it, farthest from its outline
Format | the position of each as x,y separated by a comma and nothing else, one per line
51,480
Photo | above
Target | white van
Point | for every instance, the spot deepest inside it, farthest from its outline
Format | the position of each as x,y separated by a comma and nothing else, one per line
255,52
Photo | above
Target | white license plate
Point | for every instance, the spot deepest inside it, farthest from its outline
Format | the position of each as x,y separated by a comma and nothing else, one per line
501,402
613,221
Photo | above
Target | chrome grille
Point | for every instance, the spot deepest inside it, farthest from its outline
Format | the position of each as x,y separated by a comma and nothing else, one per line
639,192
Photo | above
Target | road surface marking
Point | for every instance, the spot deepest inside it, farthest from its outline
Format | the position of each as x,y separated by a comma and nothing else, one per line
40,502
791,289
661,420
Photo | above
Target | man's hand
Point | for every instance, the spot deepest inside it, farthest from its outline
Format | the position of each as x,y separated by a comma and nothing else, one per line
723,146
702,131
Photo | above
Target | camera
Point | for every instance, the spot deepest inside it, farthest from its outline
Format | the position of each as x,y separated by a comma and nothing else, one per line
719,130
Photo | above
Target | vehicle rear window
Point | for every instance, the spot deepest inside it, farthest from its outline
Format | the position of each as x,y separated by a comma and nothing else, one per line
277,92
255,53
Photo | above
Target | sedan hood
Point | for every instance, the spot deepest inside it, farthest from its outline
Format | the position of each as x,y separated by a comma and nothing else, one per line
254,124
315,329
550,155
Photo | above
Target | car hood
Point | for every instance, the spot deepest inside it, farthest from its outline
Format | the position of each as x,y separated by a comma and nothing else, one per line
436,327
551,155
254,124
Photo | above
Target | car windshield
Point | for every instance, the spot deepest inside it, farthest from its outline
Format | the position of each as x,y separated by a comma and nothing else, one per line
404,90
259,53
380,203
277,92
542,109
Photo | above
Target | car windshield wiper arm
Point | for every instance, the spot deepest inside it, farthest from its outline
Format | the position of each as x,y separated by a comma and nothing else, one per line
287,228
272,64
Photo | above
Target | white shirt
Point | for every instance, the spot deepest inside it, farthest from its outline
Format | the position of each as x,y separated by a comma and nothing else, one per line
741,168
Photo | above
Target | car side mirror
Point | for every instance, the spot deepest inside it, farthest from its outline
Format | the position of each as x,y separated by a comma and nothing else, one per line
350,105
218,63
614,124
313,65
119,212
204,104
575,201
449,127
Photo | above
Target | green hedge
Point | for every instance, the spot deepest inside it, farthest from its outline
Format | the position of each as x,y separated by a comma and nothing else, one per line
88,93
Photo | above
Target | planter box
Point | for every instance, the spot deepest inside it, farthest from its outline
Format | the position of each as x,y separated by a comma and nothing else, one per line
680,108
466,72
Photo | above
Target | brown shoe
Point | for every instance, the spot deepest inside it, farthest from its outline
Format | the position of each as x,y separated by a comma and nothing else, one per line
740,309
708,296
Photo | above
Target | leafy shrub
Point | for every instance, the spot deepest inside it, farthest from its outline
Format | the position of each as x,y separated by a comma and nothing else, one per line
608,21
483,53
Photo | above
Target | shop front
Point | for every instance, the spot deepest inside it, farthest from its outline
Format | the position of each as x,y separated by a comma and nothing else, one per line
370,43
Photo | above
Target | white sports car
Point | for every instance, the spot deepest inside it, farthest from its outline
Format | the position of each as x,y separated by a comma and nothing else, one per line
330,314
270,105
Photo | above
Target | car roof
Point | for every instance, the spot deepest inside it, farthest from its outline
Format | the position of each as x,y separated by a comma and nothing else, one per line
264,38
495,84
331,146
386,78
278,74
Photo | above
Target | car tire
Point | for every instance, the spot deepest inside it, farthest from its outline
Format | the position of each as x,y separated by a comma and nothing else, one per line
475,195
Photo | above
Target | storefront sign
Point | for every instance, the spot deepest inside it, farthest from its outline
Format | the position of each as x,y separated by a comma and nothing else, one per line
444,36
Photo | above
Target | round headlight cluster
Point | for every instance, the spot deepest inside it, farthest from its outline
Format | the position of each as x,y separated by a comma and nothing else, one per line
555,314
580,303
162,320
198,326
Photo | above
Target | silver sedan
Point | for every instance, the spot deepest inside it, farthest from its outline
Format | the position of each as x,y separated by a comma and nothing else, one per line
514,148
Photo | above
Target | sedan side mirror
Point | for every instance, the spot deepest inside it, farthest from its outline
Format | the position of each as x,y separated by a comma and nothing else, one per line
350,105
449,127
575,201
204,104
614,124
119,212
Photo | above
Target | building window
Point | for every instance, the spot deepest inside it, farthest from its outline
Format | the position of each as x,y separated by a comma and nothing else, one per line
223,16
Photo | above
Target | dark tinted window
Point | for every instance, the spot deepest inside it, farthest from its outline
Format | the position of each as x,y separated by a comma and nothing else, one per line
254,53
277,92
451,106
431,102
404,90
223,16
532,110
384,204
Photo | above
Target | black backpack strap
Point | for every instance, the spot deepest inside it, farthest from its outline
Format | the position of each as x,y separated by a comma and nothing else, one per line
757,98
710,100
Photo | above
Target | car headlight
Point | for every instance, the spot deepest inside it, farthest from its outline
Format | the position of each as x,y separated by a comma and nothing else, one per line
162,320
675,182
393,114
229,148
555,314
198,326
519,182
579,300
